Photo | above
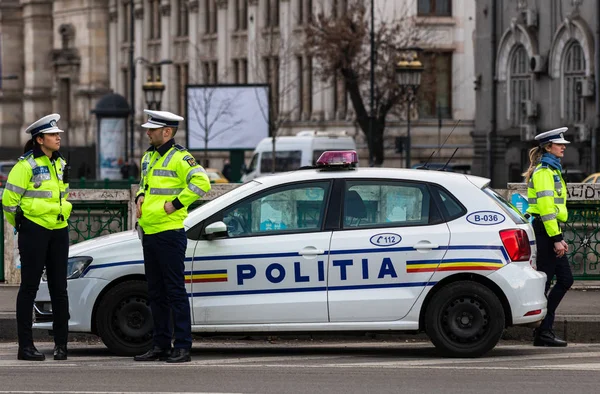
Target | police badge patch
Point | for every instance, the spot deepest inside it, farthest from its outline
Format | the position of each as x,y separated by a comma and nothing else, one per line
191,161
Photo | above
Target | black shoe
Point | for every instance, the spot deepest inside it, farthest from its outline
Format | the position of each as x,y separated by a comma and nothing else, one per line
154,354
30,353
60,352
180,356
548,338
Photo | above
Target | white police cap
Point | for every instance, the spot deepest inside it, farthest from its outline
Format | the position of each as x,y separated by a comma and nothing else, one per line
158,119
45,125
555,136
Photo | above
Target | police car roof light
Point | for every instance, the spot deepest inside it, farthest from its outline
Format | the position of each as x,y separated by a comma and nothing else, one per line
337,159
516,243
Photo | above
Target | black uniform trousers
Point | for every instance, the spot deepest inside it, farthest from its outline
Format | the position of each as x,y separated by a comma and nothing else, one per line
164,256
41,247
551,265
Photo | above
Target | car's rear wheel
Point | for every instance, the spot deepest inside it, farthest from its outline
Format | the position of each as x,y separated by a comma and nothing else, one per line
124,319
464,319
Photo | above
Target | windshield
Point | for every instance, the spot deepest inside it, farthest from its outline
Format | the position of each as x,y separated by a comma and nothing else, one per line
506,206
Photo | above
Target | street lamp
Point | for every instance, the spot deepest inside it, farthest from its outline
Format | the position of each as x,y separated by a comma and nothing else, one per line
408,76
153,91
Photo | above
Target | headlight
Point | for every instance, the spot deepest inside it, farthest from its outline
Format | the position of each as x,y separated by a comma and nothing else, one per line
75,267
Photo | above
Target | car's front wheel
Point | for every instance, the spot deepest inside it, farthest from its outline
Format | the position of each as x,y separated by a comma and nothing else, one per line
464,319
124,320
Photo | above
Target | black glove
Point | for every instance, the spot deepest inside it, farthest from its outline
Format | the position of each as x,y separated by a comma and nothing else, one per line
18,218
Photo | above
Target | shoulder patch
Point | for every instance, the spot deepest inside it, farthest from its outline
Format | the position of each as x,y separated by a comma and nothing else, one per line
179,147
190,160
26,155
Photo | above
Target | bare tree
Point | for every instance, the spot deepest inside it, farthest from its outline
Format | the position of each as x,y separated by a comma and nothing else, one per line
341,42
215,115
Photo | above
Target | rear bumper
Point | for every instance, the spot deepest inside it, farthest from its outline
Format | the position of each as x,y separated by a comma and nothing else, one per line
524,288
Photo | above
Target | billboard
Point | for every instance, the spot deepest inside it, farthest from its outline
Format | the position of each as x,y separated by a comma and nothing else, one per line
225,117
111,147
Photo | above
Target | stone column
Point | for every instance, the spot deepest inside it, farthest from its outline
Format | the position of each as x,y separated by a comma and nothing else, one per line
307,90
140,103
12,53
223,41
253,37
37,75
167,71
318,87
193,45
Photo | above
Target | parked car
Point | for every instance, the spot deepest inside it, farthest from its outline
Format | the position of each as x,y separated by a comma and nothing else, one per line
593,178
215,176
5,167
327,249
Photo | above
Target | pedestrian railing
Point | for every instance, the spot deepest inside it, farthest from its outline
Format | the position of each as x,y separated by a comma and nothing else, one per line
106,211
582,230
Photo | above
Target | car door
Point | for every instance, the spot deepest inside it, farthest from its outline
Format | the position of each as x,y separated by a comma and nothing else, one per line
392,238
272,266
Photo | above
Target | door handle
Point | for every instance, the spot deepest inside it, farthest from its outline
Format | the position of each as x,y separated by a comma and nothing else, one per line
310,251
426,245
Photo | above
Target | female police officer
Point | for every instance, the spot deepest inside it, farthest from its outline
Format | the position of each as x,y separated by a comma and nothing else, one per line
34,201
547,196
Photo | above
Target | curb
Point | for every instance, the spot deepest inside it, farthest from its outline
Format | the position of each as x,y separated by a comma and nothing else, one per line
573,328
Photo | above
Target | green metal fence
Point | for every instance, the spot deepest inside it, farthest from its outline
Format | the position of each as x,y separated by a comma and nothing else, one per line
582,234
92,219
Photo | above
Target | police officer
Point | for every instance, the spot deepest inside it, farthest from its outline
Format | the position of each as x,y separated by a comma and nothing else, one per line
35,202
547,196
170,181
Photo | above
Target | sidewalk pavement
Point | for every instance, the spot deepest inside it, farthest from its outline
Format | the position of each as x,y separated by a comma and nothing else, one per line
577,318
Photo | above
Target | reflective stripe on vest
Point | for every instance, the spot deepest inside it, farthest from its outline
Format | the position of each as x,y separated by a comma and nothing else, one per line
165,192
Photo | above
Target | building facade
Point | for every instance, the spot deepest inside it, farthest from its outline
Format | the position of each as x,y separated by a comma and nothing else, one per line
69,53
536,69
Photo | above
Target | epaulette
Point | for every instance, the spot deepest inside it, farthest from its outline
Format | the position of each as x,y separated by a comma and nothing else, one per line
26,155
179,147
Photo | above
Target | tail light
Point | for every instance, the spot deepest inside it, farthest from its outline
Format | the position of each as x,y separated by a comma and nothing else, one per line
516,243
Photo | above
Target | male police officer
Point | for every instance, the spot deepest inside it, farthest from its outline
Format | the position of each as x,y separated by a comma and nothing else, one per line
170,181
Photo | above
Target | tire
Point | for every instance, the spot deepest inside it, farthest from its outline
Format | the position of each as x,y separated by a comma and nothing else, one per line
124,320
464,319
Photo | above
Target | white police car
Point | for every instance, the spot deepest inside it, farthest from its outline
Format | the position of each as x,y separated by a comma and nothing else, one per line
329,249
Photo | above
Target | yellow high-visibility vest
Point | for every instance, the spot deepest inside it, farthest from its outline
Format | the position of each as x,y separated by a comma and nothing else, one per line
36,184
547,197
174,176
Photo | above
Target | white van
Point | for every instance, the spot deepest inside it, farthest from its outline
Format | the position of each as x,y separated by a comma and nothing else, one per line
293,152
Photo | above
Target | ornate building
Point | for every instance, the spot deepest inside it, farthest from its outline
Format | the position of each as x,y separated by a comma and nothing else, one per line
70,53
537,69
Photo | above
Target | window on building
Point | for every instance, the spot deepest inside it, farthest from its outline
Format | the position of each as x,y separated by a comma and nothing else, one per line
340,98
435,93
434,8
271,67
304,85
154,24
210,72
125,84
272,14
211,16
125,21
339,7
520,85
182,18
573,77
240,71
241,12
182,81
304,12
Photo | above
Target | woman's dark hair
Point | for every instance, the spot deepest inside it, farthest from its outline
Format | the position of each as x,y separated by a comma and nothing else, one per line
29,145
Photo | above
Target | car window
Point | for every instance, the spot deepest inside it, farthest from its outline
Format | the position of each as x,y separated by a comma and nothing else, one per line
597,179
294,208
387,203
253,163
284,161
450,206
506,206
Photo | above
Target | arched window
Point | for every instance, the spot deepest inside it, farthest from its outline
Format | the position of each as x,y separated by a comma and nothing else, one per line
573,75
520,85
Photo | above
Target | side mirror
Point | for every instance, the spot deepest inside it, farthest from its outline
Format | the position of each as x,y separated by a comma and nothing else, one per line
215,229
